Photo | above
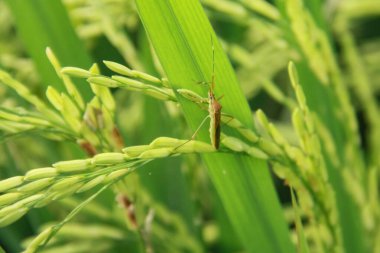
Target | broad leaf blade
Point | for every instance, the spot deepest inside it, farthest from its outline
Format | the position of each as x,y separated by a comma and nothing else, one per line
180,34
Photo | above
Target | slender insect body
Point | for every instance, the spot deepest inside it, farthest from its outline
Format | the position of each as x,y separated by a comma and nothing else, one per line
214,107
214,110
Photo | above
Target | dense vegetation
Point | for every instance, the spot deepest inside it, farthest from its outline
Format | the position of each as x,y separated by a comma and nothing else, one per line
99,100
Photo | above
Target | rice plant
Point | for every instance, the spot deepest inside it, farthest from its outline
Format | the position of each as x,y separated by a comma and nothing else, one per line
189,126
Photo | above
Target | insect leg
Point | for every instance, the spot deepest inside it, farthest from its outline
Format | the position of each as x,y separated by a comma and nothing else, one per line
194,134
227,116
220,97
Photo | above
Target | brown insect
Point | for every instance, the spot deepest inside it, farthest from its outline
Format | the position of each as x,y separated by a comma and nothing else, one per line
214,109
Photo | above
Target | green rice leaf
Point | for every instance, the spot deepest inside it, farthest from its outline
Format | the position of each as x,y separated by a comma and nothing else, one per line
181,36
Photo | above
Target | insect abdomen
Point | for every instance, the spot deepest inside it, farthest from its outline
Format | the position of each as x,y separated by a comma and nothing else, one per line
215,110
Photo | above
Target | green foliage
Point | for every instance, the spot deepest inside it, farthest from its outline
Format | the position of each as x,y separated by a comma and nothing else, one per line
43,25
114,179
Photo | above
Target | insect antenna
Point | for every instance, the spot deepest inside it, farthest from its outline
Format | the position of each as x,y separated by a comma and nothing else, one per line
213,64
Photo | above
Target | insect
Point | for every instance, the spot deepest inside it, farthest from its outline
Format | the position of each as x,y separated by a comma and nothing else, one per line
214,108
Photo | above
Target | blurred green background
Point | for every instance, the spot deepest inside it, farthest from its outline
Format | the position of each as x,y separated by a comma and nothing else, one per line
259,40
